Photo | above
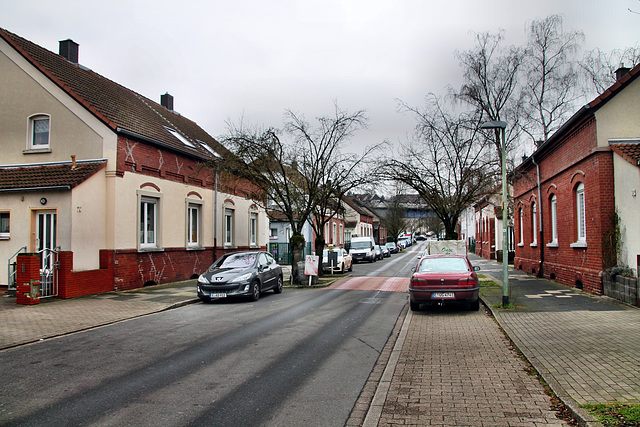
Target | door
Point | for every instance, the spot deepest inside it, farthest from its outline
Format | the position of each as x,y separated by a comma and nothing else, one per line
46,222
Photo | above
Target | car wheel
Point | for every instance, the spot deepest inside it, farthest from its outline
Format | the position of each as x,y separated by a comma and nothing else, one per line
475,306
205,299
278,288
255,291
372,259
351,267
414,306
341,268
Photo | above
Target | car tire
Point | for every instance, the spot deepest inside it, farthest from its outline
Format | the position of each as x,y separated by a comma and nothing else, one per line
372,259
341,271
278,288
351,267
474,306
255,291
414,306
205,299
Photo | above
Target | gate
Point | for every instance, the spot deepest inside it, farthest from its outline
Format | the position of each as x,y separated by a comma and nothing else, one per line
11,271
49,267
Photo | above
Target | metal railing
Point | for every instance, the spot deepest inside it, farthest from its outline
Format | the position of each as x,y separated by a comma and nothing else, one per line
11,270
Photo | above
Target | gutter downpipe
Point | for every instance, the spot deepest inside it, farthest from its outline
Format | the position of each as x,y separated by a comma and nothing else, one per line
215,218
541,243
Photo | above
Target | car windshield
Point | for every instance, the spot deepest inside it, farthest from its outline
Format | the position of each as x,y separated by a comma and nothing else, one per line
238,261
441,265
360,245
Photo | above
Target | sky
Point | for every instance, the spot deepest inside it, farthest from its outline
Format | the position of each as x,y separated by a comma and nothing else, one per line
250,60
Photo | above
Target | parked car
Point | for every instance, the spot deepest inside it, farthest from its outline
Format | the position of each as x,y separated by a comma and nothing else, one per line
343,261
240,274
378,250
385,251
444,279
392,247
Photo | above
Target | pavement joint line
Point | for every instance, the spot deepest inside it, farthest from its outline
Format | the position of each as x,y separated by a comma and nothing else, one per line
374,413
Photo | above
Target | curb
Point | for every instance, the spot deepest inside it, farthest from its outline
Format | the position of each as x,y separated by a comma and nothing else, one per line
584,418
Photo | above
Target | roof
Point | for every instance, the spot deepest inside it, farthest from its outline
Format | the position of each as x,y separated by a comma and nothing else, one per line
58,176
121,109
628,150
586,112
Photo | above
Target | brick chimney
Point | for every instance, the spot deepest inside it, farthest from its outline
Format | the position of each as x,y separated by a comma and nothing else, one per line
69,50
621,72
166,101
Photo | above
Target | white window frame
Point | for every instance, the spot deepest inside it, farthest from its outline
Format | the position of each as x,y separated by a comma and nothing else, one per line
194,207
521,243
534,224
32,132
5,220
553,203
228,226
273,235
253,228
146,201
341,235
581,217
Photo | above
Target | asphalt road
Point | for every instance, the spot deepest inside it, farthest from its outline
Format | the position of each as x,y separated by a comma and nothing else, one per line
298,358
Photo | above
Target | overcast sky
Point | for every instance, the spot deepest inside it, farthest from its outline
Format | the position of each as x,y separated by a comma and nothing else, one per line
223,60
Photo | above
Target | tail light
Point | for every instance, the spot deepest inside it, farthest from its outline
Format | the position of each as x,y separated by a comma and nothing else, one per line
467,282
416,281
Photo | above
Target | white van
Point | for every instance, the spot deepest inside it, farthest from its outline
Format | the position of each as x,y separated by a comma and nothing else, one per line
361,249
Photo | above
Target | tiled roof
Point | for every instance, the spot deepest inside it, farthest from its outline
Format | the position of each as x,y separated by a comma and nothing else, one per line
62,176
630,151
122,109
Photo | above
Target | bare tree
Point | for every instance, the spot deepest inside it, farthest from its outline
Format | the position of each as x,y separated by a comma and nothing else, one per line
447,163
290,169
395,216
490,73
551,85
599,68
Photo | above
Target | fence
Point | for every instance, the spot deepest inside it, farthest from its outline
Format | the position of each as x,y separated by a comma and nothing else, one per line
282,252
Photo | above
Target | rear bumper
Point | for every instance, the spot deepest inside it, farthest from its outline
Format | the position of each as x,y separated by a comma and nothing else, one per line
423,296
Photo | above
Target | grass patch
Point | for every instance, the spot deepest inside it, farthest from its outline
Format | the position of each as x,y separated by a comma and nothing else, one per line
488,283
616,415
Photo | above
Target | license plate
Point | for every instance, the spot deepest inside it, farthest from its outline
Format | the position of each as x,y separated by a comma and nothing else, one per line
218,295
443,295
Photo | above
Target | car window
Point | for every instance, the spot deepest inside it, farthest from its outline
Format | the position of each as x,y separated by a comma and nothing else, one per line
238,261
270,259
442,265
262,259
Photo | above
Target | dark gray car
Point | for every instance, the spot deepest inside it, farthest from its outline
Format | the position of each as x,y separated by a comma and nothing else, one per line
240,274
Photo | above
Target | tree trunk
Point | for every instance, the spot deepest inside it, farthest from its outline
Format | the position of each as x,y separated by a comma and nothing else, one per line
319,247
297,245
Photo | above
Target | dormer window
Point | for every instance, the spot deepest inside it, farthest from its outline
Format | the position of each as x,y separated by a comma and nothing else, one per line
39,127
179,137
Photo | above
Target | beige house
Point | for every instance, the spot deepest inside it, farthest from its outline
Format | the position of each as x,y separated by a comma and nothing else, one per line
108,180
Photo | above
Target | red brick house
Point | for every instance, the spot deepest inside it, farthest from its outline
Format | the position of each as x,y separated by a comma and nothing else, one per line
565,195
104,185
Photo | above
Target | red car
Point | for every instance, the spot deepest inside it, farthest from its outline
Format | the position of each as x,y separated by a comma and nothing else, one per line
444,279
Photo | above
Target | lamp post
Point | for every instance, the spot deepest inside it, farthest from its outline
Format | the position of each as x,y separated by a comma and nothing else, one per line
505,237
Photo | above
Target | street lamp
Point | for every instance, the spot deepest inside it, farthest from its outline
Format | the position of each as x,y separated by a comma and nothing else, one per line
505,237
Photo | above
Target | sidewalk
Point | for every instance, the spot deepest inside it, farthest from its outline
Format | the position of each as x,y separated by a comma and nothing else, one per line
587,348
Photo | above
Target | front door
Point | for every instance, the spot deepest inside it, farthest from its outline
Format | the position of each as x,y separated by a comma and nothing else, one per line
46,222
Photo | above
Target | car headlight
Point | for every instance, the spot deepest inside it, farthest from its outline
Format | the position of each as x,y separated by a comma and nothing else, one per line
241,278
203,280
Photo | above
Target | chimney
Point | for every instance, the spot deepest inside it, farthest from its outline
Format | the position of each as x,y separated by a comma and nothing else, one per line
73,162
69,50
166,101
621,72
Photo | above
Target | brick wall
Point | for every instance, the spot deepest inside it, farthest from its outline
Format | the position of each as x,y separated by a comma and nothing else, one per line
73,284
574,160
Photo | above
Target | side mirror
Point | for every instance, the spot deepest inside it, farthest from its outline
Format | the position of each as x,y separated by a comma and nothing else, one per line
476,268
413,269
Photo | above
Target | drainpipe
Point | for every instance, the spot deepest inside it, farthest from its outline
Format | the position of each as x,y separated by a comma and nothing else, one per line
541,242
215,218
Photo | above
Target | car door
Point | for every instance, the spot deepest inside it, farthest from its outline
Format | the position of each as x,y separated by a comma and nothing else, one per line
265,271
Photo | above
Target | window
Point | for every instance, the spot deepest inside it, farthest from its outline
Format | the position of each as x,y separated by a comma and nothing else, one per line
179,137
253,229
148,222
39,132
193,225
534,224
334,238
228,227
274,233
521,224
554,220
581,214
341,235
5,225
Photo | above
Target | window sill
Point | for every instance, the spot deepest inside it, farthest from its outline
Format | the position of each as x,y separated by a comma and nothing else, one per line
521,245
36,150
195,248
579,245
5,237
150,250
553,245
534,245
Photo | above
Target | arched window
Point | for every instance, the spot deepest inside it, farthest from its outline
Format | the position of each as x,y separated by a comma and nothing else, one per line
534,224
554,219
520,214
581,213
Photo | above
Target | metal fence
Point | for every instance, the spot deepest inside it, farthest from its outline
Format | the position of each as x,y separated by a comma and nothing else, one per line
282,252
